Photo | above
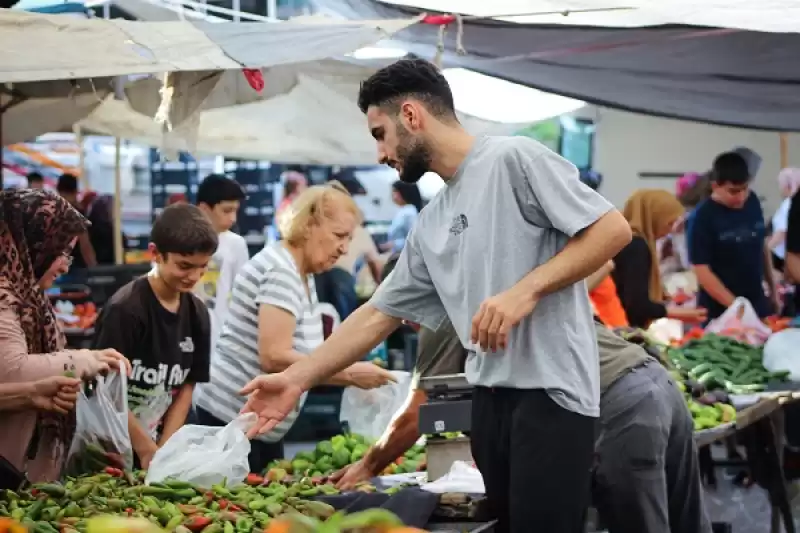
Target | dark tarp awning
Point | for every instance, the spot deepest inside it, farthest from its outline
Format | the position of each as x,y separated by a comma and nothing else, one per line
718,76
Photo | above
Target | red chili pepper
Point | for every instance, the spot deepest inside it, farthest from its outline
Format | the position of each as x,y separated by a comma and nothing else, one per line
438,20
255,78
34,492
254,480
223,504
197,523
235,508
129,510
116,472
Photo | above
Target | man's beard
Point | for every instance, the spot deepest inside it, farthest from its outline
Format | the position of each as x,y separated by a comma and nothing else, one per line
414,157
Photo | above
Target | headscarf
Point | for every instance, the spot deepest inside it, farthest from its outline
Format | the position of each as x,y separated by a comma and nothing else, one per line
789,179
36,227
686,182
647,211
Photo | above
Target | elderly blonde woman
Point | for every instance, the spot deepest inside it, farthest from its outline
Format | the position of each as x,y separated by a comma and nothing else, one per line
273,319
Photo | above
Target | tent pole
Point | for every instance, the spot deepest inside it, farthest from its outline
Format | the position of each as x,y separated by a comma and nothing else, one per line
81,158
118,248
784,137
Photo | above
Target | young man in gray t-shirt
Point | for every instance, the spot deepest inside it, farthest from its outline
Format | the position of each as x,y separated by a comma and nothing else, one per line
502,251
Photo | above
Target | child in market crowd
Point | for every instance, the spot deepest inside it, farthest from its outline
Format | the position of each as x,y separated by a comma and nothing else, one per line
647,477
220,197
726,238
163,328
652,213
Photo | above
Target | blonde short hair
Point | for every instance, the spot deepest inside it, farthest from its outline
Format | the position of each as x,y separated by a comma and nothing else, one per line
314,204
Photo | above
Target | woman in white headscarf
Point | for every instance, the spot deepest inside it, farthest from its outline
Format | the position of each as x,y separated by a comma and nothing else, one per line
789,183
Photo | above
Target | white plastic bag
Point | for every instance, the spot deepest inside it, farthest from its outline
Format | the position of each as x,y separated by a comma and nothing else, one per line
368,412
780,353
205,455
741,322
101,431
463,477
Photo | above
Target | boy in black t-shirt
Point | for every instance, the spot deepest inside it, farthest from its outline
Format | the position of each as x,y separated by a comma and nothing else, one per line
163,329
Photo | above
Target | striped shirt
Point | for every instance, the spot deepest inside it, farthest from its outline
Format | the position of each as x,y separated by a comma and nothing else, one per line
269,278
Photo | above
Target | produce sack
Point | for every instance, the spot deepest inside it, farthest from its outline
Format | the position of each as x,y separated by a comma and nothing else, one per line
205,455
101,431
780,353
740,321
368,412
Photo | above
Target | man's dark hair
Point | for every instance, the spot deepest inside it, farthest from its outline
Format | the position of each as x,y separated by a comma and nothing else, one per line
184,229
67,183
217,188
408,78
34,177
730,167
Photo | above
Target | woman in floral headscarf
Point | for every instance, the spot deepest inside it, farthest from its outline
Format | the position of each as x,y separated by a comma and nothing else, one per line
37,232
789,183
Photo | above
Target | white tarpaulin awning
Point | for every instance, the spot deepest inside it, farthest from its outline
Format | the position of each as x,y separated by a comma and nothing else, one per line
39,47
315,121
782,16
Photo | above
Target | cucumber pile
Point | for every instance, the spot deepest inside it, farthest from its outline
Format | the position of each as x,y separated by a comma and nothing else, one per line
718,362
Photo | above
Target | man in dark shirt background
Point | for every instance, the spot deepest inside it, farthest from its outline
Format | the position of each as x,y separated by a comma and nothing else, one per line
83,253
726,238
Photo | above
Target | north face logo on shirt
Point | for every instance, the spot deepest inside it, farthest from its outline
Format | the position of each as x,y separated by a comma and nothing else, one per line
187,346
460,223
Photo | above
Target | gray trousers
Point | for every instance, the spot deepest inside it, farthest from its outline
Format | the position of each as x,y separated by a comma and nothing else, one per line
647,478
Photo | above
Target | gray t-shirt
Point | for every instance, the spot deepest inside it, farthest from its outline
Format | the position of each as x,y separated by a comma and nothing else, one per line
511,206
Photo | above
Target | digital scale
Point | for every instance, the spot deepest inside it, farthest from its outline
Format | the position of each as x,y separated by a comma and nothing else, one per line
448,410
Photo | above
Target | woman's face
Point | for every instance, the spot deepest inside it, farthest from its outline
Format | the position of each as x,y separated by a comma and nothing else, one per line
396,198
329,239
58,268
666,228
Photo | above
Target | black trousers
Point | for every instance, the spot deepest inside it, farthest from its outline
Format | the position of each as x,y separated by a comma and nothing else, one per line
535,458
261,453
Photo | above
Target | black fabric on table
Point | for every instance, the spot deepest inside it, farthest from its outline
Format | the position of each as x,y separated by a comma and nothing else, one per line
631,275
412,505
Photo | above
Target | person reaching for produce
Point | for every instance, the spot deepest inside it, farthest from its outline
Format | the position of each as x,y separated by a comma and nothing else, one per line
651,214
604,297
727,248
647,477
163,328
273,321
55,393
502,251
37,232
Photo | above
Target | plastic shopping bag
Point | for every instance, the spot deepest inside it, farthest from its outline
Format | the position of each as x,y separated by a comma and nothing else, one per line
369,412
780,353
740,321
205,455
101,432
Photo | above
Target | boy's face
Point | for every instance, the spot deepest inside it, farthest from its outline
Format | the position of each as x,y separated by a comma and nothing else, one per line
180,272
733,195
222,215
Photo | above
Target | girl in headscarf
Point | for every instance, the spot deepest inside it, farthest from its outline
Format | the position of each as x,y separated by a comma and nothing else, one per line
37,232
651,214
789,183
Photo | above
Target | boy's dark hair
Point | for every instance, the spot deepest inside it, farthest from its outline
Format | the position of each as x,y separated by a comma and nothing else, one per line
34,177
217,188
730,167
67,183
414,78
184,229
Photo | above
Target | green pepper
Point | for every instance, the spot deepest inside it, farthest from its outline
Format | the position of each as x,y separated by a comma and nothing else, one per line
214,527
35,509
173,522
177,484
52,489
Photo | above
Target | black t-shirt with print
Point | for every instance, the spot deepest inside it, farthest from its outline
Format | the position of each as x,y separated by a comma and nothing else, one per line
166,349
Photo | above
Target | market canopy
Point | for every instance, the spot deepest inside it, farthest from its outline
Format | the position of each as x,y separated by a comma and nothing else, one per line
771,16
308,116
715,75
38,47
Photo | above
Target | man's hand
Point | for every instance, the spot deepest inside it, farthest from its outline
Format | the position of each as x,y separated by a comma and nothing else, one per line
56,393
351,475
368,375
497,315
146,456
272,398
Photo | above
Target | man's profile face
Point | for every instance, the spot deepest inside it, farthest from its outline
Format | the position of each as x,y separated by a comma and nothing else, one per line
401,143
733,195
